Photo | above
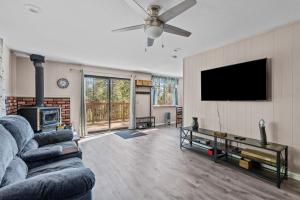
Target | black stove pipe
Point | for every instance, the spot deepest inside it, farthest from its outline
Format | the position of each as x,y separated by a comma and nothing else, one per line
39,78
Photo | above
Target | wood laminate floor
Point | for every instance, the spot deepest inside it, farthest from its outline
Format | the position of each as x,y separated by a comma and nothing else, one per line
154,167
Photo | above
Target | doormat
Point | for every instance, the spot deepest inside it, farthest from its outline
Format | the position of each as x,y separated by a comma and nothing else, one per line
129,134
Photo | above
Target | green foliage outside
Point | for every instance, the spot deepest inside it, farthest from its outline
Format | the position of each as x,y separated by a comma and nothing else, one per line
164,94
164,90
97,99
97,90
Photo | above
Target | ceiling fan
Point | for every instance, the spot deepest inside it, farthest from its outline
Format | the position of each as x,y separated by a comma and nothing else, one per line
156,23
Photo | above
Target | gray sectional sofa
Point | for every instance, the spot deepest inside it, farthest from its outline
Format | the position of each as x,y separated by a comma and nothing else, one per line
44,166
42,148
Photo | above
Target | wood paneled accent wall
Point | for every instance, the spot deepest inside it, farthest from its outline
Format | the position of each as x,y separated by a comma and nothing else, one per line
282,113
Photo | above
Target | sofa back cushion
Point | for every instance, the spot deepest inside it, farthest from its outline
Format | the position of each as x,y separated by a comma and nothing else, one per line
19,128
32,144
16,171
8,150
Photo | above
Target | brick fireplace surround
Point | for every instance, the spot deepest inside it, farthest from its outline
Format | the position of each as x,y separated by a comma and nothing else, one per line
14,103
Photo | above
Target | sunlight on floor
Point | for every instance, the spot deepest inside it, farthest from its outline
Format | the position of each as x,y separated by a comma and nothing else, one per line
103,134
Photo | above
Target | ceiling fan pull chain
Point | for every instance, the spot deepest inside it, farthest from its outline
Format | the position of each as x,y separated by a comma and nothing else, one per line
162,42
146,44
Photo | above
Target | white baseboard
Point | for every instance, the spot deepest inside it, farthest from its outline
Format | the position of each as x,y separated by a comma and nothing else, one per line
161,124
291,175
294,176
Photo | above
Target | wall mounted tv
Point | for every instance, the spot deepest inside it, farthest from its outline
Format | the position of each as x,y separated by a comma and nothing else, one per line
240,82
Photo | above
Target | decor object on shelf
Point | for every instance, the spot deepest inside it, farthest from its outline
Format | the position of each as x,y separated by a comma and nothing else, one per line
245,163
220,134
259,155
146,83
179,116
211,152
63,83
195,124
262,129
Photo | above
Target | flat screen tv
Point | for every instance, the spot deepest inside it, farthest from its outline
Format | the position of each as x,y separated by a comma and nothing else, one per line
240,82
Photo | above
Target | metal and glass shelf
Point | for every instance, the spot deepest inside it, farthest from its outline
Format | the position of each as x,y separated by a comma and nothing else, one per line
225,152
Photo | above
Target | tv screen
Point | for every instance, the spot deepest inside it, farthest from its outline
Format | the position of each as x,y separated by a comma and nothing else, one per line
240,82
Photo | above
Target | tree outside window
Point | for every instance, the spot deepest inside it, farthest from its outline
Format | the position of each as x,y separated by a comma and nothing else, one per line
164,90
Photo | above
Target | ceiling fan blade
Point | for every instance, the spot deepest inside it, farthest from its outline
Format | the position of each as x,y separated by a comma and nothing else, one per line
136,6
177,10
175,30
130,28
150,42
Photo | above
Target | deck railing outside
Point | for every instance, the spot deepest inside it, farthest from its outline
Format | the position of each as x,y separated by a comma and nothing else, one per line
99,111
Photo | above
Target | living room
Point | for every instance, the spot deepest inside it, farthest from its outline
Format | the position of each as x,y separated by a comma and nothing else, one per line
93,110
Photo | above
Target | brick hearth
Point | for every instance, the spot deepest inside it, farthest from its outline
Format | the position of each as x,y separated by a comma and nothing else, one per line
14,103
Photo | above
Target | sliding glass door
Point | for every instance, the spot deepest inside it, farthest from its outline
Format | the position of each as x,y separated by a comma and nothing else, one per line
120,91
97,103
107,103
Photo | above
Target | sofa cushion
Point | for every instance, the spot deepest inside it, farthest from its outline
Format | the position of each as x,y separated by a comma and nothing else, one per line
20,129
35,164
15,172
53,137
55,166
32,144
67,144
42,153
65,184
8,150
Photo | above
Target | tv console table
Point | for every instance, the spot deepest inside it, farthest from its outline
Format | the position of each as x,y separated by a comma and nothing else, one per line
224,152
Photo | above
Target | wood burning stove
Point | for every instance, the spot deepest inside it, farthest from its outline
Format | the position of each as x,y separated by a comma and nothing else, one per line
41,118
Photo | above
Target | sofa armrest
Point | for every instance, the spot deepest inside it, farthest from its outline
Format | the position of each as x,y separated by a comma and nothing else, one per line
53,137
42,153
64,184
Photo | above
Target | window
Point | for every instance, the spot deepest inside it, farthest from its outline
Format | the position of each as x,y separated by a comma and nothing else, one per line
164,90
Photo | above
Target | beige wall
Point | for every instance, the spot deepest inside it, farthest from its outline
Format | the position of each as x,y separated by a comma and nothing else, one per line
24,84
159,113
6,68
282,114
2,92
5,86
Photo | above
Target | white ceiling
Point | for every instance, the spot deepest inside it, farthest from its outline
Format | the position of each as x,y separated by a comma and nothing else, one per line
79,31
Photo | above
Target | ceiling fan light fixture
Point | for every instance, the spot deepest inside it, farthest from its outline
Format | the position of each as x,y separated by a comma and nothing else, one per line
154,32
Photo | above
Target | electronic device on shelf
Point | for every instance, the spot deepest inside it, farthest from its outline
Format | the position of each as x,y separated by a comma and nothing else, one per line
239,138
236,150
202,141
